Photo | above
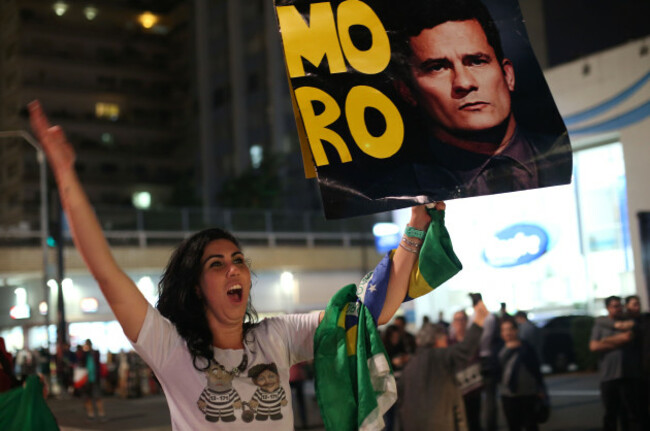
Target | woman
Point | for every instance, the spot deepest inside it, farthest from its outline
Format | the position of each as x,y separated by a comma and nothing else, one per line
203,336
522,383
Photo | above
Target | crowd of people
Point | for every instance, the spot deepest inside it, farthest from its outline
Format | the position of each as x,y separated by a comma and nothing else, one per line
79,372
485,358
449,374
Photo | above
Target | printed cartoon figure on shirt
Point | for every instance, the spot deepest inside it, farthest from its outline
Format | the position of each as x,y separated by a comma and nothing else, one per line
219,400
269,397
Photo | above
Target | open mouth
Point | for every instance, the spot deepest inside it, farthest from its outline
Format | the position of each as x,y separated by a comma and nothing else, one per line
235,292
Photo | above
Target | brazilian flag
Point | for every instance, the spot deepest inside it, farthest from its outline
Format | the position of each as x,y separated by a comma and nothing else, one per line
355,385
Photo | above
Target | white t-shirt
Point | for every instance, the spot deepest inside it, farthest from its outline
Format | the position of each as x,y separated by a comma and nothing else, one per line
214,400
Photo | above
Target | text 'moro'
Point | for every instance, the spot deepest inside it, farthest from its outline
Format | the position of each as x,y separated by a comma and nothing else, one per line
401,103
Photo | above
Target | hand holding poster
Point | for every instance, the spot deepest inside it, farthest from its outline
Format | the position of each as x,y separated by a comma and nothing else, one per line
419,100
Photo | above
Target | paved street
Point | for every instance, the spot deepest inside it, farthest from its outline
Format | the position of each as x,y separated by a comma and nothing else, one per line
575,403
575,407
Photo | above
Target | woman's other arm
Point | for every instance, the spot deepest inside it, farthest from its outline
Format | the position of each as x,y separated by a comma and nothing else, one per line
403,261
121,293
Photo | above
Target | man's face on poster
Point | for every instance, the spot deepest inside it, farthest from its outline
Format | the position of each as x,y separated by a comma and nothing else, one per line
459,81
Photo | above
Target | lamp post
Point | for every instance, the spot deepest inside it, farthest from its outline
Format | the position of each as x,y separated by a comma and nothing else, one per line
40,156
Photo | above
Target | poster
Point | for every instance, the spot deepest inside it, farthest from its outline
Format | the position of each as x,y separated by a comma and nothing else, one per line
405,102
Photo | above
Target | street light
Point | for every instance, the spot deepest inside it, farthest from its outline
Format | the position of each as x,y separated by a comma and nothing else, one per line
40,156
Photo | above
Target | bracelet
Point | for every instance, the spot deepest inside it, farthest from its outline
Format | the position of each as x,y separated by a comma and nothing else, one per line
411,243
409,249
413,232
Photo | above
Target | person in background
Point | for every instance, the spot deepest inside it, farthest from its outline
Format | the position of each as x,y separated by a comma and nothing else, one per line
468,373
442,321
88,358
521,379
430,398
503,311
7,377
26,363
620,369
65,360
122,374
529,332
632,307
641,328
406,338
396,351
111,373
490,346
297,377
44,364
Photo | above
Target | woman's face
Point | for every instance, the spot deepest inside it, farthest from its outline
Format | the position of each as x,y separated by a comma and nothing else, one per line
225,282
508,332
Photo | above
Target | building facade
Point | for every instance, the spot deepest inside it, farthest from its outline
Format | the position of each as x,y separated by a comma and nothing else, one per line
115,76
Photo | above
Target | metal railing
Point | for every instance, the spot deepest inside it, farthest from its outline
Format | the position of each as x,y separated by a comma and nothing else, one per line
129,226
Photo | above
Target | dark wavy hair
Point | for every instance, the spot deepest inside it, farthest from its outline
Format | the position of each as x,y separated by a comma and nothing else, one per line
183,306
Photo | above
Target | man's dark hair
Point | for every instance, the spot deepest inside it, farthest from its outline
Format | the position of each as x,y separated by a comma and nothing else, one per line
521,314
630,298
609,299
510,320
413,16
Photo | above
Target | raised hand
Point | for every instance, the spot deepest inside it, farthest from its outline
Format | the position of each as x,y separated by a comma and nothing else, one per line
420,218
58,150
480,313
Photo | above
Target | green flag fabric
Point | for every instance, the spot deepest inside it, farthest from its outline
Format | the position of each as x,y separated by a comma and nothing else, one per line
355,385
25,409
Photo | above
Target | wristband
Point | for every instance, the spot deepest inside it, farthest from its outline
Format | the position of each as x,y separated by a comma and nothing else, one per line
409,249
411,243
413,232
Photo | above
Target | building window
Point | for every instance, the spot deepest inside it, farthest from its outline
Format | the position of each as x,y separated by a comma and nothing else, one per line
602,204
142,200
131,84
108,168
106,82
108,140
220,96
107,111
253,83
257,155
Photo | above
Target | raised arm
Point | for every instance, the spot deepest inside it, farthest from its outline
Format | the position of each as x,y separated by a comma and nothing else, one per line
121,293
403,261
462,352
